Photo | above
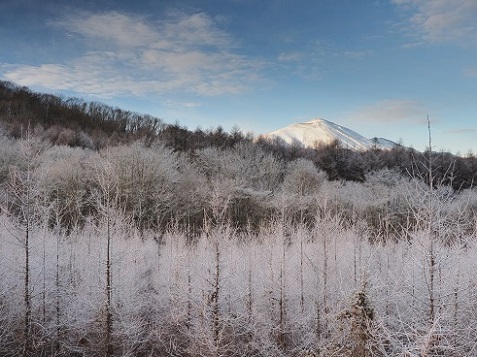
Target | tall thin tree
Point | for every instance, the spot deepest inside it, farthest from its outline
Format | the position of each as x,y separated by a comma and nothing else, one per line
23,202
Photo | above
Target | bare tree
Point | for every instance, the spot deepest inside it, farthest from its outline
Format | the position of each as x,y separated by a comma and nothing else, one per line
107,205
23,203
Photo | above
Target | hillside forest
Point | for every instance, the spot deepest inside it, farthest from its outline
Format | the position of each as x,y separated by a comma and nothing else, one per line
122,235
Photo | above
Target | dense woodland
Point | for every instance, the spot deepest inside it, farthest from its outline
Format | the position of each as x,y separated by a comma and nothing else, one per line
125,236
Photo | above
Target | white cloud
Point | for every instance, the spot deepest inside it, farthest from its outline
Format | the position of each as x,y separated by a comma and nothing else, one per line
442,20
466,131
125,30
392,111
471,72
188,105
357,54
290,56
306,64
126,54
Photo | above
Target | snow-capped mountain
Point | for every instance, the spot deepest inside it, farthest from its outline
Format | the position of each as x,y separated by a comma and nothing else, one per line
320,131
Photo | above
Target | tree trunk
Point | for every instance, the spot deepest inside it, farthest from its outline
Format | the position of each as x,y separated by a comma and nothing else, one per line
27,295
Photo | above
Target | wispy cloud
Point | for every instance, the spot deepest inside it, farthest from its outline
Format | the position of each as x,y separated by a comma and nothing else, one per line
188,105
471,72
128,54
465,131
392,111
306,63
290,56
126,30
441,20
356,55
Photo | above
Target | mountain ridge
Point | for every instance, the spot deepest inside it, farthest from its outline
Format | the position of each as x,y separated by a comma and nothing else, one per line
321,131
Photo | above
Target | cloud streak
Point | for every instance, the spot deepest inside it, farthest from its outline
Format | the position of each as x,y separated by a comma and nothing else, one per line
470,72
290,56
467,131
125,54
392,111
451,21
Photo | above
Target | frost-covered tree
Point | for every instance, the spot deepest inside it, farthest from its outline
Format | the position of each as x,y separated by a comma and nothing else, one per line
238,184
146,179
301,183
10,156
24,204
66,185
106,192
302,178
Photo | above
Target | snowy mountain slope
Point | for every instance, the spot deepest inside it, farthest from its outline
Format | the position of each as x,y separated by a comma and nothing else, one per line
384,143
320,131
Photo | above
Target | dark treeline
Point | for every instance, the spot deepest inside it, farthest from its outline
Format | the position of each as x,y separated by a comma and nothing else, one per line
76,123
71,121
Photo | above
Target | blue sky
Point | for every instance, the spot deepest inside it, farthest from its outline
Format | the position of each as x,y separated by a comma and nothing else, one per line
378,67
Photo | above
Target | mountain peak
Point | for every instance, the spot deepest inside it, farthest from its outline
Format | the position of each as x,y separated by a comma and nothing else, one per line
320,131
